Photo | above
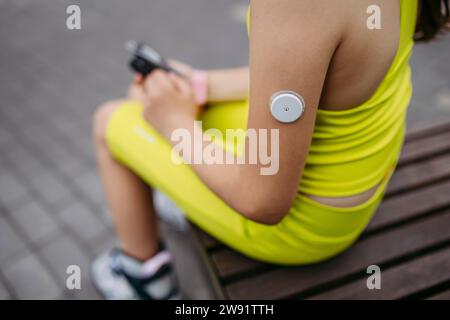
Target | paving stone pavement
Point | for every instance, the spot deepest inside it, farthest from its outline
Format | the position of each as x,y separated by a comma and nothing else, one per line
52,212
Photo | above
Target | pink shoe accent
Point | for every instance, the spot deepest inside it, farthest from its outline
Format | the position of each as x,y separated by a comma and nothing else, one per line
151,266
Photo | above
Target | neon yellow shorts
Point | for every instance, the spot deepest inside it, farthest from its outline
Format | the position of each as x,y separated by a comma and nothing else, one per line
309,233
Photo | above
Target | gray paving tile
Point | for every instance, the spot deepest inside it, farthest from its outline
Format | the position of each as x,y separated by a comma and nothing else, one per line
62,147
83,222
3,167
6,138
67,123
90,186
31,280
37,224
37,131
84,143
4,294
62,252
104,244
105,216
23,160
46,145
72,167
15,115
51,188
12,190
10,242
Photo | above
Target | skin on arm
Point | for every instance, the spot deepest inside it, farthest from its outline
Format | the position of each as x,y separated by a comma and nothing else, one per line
223,84
228,85
290,49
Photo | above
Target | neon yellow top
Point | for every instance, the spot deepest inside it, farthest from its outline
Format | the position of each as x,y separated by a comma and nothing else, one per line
352,150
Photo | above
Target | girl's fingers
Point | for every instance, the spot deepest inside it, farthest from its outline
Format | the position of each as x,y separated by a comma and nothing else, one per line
181,84
181,67
158,82
136,92
138,78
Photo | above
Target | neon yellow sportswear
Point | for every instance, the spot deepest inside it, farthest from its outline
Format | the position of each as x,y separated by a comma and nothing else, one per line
351,151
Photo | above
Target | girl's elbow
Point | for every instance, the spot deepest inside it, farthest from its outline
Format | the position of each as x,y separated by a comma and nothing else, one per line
266,214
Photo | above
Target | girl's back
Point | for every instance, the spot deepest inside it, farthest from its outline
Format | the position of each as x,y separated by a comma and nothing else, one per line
364,55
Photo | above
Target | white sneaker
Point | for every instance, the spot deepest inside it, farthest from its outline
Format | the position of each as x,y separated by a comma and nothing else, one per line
114,283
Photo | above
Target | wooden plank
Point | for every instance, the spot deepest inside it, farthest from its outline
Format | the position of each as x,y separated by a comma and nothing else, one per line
392,210
207,241
400,281
441,296
429,128
419,174
425,148
285,282
411,204
230,263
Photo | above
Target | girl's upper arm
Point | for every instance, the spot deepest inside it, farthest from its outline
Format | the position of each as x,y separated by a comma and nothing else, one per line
291,45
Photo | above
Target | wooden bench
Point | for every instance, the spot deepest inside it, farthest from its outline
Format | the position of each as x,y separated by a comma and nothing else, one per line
409,239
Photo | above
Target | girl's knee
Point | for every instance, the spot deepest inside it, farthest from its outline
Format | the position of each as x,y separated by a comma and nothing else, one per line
101,119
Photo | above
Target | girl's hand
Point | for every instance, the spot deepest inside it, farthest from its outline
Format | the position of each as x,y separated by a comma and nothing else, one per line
199,80
136,89
169,102
182,68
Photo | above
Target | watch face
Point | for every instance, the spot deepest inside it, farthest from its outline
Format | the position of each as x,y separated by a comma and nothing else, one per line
287,106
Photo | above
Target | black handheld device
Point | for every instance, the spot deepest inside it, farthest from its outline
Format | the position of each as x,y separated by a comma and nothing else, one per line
145,59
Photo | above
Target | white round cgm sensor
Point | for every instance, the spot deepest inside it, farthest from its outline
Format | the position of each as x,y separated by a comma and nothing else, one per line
287,106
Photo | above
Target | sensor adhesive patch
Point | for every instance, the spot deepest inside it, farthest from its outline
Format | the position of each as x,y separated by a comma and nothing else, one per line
287,106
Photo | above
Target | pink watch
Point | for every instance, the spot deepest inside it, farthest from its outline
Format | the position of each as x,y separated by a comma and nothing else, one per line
199,80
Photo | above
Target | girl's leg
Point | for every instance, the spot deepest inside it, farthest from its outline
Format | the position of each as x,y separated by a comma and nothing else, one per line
128,197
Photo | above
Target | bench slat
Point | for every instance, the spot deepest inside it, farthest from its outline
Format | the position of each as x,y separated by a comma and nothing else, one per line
231,263
441,296
431,127
424,148
420,174
411,204
391,211
285,282
400,281
207,241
